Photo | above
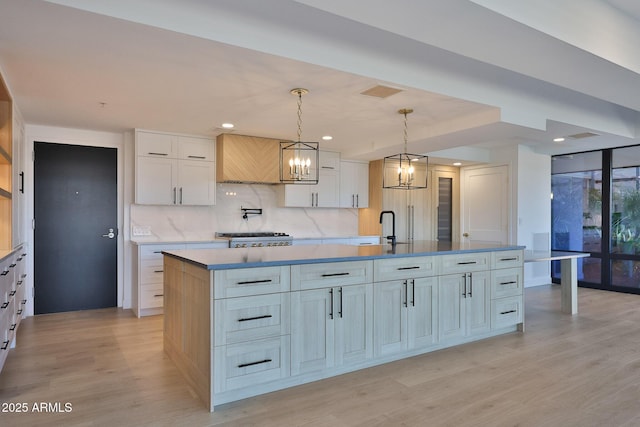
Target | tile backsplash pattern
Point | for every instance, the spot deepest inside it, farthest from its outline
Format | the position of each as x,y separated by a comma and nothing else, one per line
177,223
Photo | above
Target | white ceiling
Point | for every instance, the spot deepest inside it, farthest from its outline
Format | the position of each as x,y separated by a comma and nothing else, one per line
473,71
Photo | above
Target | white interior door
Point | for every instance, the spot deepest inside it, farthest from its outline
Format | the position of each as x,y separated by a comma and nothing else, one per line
485,196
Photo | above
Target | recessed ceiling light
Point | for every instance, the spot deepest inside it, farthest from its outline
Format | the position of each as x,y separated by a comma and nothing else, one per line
227,125
457,164
558,139
327,137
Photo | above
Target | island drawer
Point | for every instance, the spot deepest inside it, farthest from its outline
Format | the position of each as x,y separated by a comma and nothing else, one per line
250,318
250,281
248,364
507,259
324,275
506,312
506,282
465,262
405,268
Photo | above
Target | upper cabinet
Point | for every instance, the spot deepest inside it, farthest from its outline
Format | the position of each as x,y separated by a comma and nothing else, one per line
6,135
174,169
354,184
247,159
325,194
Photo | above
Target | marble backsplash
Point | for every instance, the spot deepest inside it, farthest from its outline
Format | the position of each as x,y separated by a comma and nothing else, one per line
178,223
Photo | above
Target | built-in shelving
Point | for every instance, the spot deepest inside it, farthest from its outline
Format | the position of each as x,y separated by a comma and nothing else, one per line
6,120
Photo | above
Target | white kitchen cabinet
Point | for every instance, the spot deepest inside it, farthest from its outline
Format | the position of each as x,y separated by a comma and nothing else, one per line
464,305
174,169
331,327
325,194
354,184
13,299
405,315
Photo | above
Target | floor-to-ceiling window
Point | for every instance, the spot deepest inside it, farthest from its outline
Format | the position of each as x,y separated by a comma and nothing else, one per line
596,209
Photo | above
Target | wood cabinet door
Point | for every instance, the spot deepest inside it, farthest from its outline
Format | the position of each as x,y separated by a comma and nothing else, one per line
312,330
390,313
478,302
196,183
353,323
451,306
422,320
156,180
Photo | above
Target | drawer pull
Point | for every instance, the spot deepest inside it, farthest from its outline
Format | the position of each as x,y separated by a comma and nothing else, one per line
19,311
246,319
12,293
507,312
249,282
24,301
157,252
13,327
467,262
513,282
158,295
5,305
509,259
197,157
244,365
157,154
335,274
158,271
408,268
4,273
5,344
11,265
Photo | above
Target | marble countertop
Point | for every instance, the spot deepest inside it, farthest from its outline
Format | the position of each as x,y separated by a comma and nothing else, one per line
225,259
153,240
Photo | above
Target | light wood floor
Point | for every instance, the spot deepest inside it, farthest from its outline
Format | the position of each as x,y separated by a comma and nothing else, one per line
581,370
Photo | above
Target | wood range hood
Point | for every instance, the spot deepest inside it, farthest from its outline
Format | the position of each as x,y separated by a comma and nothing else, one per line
247,159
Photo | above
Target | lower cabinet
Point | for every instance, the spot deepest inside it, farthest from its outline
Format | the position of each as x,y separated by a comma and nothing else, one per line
331,327
406,315
13,299
464,305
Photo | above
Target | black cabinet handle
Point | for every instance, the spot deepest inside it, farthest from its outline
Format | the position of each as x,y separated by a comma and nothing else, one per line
244,365
335,274
19,311
413,292
507,312
12,293
158,154
408,268
158,271
509,259
13,327
197,157
158,295
340,292
5,272
24,301
406,297
470,285
157,252
246,319
467,262
22,182
513,282
249,282
5,305
5,344
331,303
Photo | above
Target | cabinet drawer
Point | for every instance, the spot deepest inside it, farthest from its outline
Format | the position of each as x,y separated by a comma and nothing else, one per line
247,364
151,296
195,149
315,276
464,263
507,259
405,268
151,272
155,145
154,252
506,312
251,318
506,282
250,281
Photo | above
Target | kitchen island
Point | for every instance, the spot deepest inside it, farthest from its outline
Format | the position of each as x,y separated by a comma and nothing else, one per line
242,322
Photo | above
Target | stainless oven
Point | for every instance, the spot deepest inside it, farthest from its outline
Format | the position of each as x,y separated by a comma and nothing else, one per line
256,239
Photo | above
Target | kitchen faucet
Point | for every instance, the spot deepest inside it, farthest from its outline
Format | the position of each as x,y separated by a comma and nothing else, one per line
392,238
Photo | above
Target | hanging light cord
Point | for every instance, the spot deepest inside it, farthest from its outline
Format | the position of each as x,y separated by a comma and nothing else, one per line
405,132
299,116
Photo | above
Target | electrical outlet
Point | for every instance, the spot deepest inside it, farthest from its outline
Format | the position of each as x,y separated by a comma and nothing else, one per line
140,230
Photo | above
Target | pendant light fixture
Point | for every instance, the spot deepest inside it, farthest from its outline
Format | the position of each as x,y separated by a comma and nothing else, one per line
405,171
299,160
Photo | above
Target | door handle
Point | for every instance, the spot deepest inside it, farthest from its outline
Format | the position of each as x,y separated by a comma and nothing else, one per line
110,234
465,234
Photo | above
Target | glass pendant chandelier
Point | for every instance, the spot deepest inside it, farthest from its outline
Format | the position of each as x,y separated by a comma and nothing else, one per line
405,171
299,160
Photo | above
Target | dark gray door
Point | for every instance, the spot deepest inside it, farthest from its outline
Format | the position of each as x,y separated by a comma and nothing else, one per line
75,206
